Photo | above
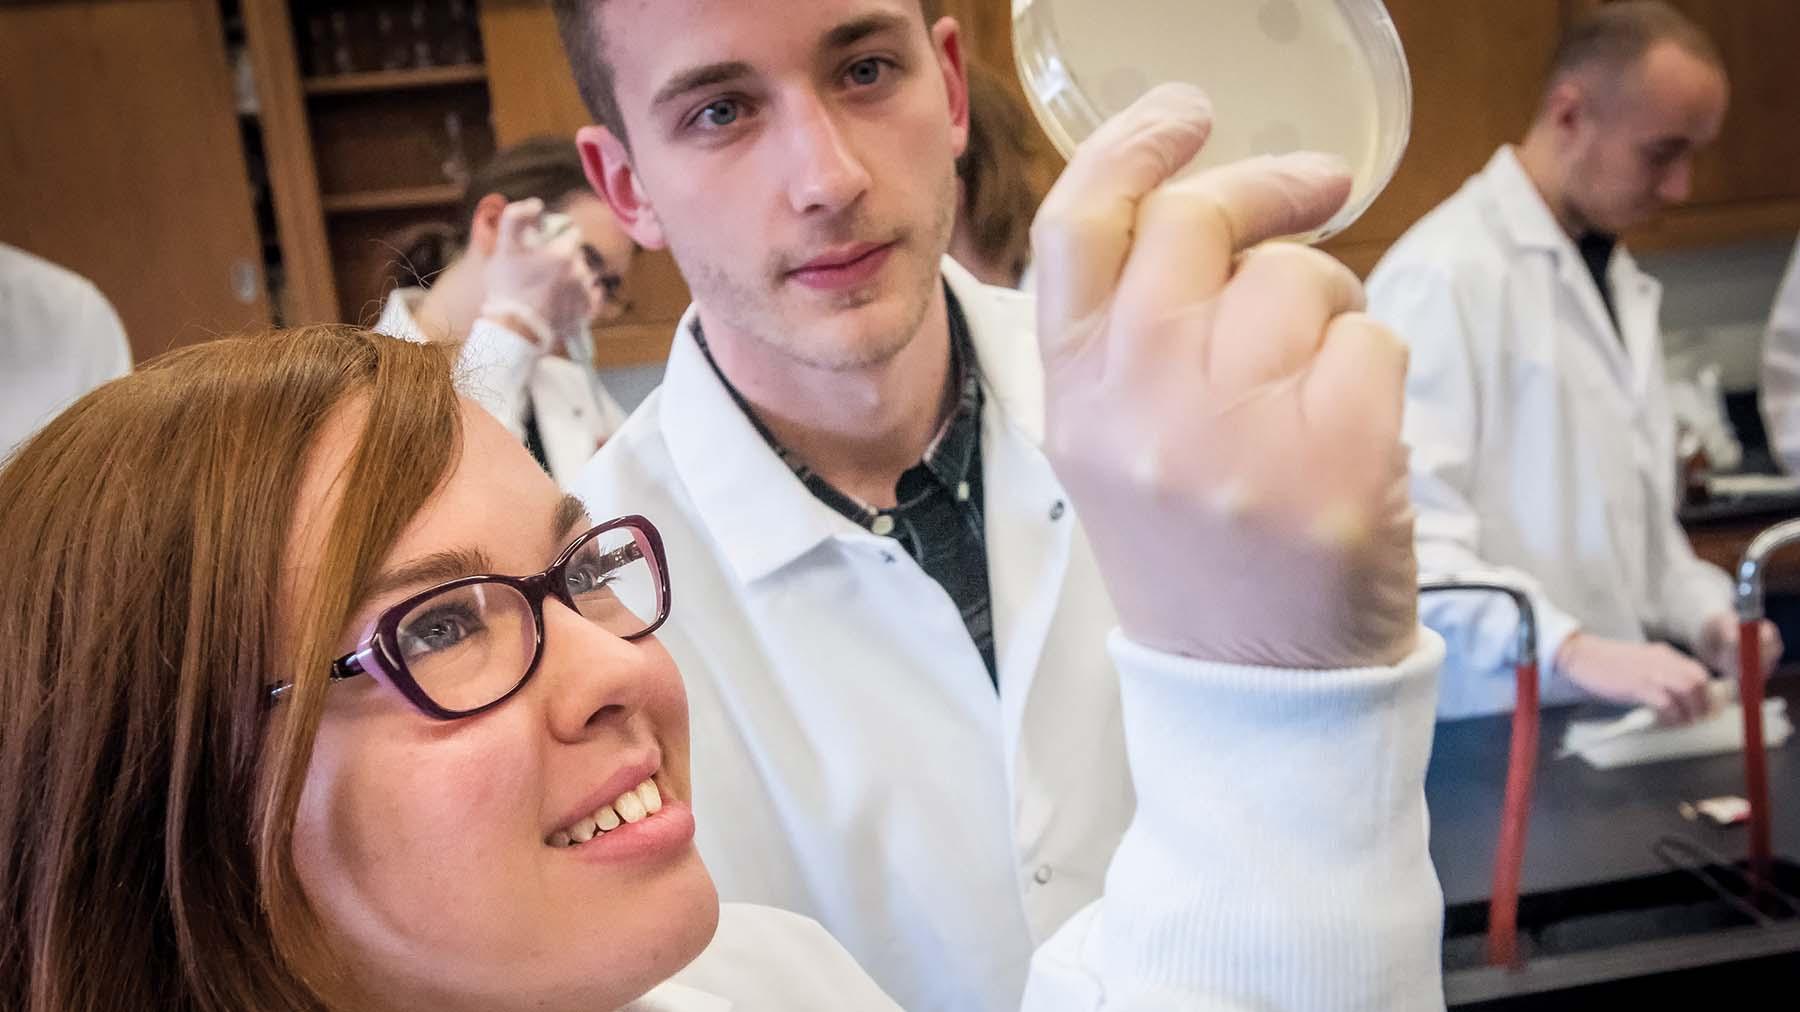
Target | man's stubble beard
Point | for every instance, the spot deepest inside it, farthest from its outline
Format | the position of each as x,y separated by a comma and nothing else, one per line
761,319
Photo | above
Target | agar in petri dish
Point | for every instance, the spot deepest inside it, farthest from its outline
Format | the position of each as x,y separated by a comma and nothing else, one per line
1283,75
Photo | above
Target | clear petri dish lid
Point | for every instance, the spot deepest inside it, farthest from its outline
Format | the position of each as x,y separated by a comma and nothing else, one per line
1283,75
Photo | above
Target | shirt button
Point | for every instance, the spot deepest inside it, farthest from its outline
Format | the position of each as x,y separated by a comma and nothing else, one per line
1057,509
1042,875
882,525
962,491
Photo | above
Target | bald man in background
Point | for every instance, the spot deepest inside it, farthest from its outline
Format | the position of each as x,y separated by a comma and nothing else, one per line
1541,435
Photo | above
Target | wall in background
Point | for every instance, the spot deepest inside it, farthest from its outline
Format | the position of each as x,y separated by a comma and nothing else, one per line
1716,304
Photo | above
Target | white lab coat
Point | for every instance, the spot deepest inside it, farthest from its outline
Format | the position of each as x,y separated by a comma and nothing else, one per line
852,761
1542,446
1277,861
504,372
59,339
1780,396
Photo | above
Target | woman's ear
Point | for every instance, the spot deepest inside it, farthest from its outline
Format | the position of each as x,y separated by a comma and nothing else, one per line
610,172
484,227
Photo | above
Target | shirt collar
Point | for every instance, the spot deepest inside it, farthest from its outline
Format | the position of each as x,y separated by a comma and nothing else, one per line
947,457
759,514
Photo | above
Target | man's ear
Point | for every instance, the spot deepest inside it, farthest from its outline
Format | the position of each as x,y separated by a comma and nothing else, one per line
484,227
1568,104
947,41
610,173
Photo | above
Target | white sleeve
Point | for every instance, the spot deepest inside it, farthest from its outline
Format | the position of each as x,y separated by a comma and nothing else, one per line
1780,394
494,368
1443,405
1278,856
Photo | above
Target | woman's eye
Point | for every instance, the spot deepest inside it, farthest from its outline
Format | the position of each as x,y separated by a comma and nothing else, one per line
437,631
586,578
865,72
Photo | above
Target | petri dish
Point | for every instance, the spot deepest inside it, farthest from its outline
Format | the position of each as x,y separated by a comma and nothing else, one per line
1283,75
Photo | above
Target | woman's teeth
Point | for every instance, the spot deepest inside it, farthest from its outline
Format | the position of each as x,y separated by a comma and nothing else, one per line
634,805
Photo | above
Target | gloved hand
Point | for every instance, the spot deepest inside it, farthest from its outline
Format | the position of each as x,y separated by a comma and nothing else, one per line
1642,674
1718,646
539,286
1226,421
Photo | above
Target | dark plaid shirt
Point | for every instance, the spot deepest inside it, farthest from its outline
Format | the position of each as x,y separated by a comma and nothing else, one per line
938,519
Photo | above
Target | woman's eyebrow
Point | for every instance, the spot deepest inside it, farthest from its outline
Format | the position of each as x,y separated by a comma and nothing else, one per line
437,567
569,512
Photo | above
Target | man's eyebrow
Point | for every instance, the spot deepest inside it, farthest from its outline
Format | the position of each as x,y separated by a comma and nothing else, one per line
851,32
700,77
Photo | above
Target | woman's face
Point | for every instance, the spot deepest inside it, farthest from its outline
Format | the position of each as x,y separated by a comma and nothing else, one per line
437,853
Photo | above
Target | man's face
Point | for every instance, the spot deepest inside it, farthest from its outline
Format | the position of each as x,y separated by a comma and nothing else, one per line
797,159
1633,151
609,251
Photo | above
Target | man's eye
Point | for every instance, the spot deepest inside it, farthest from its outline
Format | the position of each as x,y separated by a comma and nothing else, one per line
866,71
722,113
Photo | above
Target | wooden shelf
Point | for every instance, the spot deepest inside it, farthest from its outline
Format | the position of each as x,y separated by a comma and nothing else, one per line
397,80
441,195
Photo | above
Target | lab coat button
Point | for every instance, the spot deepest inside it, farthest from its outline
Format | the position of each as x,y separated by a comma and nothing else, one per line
1042,875
1057,509
887,557
882,525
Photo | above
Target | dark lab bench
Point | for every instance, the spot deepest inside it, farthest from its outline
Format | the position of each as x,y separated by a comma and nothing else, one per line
1603,917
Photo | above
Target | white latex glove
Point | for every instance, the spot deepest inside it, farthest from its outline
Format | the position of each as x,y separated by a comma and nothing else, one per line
1718,646
1229,426
540,287
1643,674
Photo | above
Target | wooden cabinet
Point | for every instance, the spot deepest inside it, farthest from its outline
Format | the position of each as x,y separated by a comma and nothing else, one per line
372,116
121,158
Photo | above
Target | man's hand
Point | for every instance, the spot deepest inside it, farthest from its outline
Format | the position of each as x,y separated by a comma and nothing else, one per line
539,286
1226,421
1718,646
1642,674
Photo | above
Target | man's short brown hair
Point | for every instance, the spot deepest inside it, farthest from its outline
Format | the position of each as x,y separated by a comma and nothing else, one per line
1612,38
586,48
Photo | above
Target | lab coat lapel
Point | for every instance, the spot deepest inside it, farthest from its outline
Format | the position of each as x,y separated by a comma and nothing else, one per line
1639,300
1029,521
1523,213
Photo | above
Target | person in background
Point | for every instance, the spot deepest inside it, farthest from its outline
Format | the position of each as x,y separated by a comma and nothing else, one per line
1001,177
1542,443
384,723
59,338
1780,393
535,247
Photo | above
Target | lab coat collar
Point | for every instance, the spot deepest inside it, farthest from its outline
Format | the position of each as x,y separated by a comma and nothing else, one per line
1527,219
761,514
1012,376
1523,212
